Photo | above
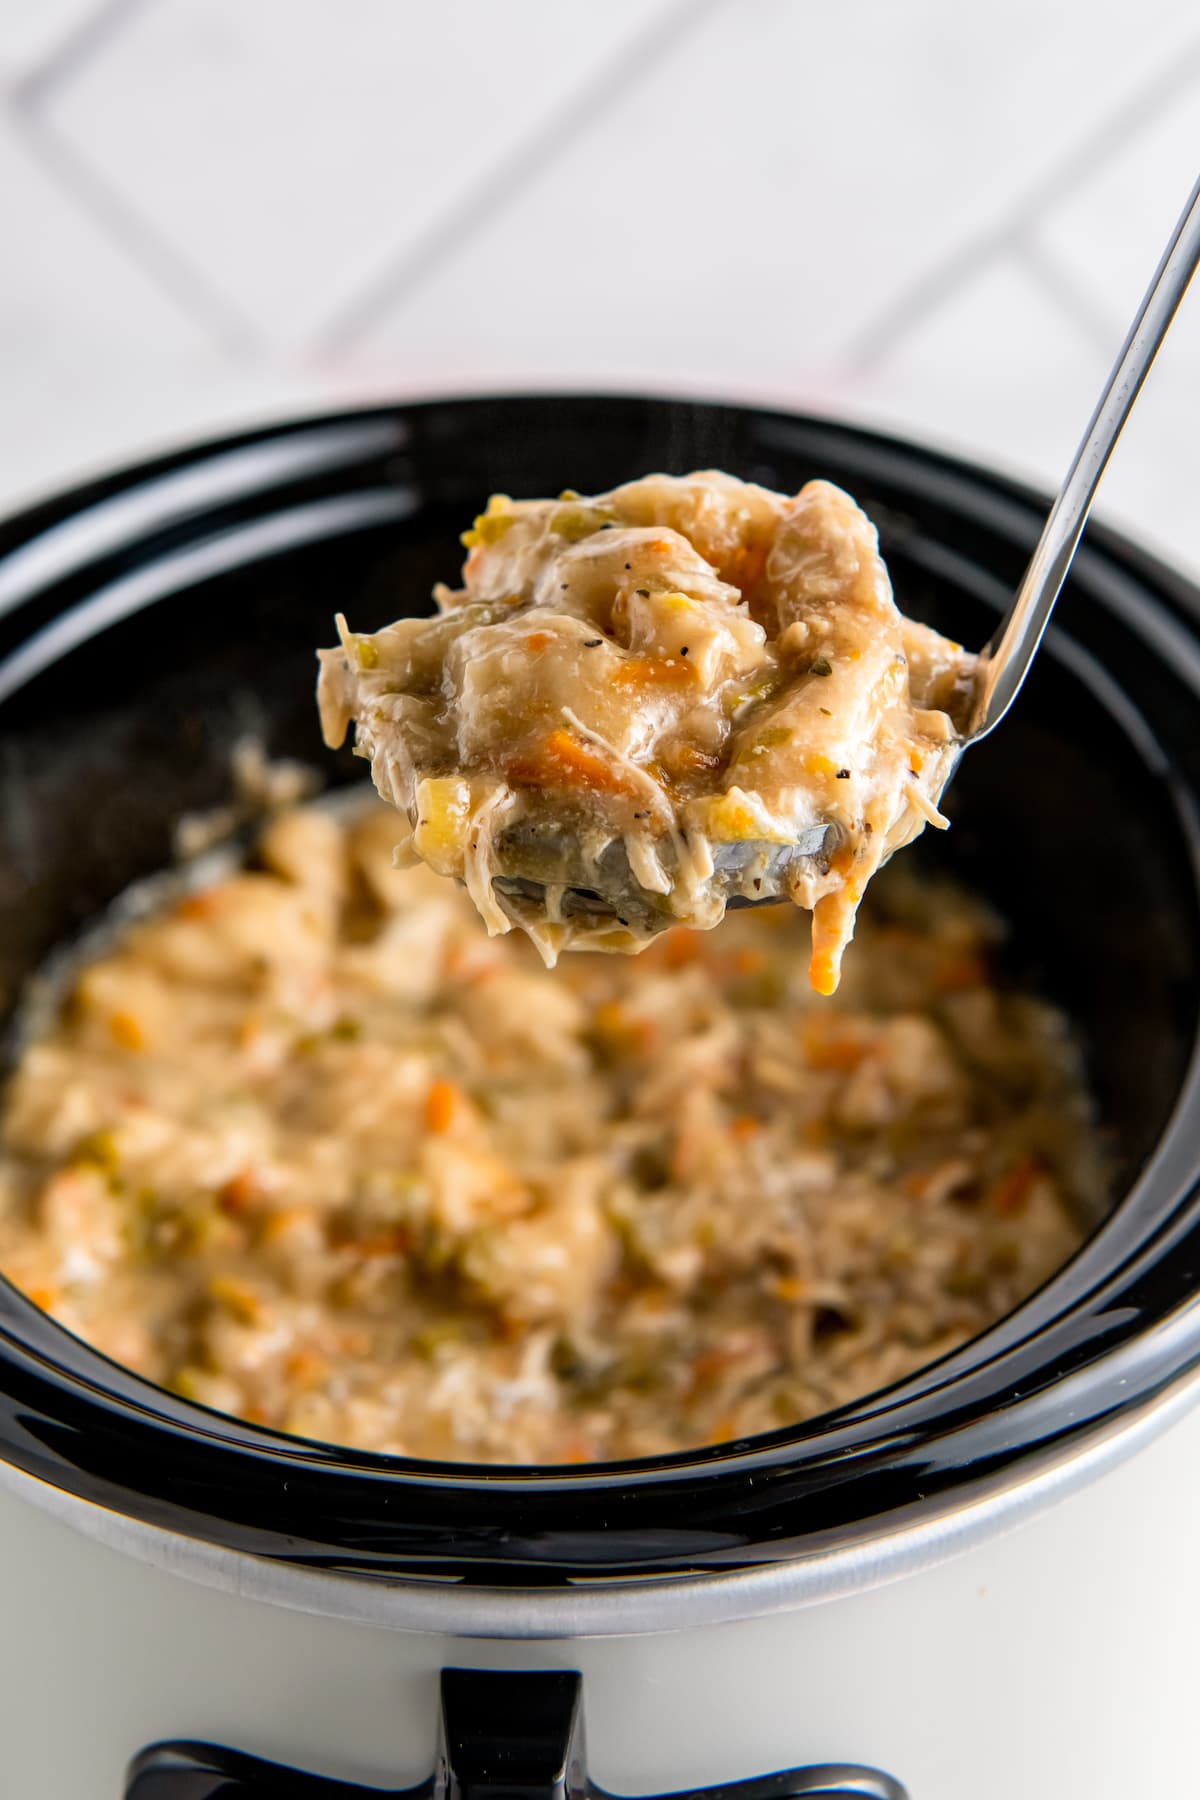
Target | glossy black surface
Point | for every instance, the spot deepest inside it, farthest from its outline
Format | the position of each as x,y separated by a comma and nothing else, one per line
214,573
505,1735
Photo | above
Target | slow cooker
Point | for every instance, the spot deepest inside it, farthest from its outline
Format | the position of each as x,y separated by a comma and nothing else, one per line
978,1584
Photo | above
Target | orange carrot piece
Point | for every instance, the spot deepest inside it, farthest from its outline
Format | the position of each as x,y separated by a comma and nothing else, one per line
238,1193
562,761
744,1126
653,671
443,1103
1010,1196
126,1031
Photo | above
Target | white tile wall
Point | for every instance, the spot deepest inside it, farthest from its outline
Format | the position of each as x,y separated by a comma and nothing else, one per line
33,30
930,214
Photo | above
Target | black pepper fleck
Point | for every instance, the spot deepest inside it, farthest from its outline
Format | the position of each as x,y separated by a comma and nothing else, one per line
843,774
628,565
642,593
683,650
591,643
822,666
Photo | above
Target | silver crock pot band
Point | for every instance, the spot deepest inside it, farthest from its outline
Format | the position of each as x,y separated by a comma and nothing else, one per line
619,1608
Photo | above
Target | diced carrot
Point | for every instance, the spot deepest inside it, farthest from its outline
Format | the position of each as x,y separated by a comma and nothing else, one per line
238,1193
916,760
680,948
307,1368
623,1031
126,1031
199,906
745,569
744,1126
539,640
578,1449
749,960
789,1288
392,1241
653,671
45,1297
443,1103
1010,1195
609,1019
562,761
283,1220
724,1429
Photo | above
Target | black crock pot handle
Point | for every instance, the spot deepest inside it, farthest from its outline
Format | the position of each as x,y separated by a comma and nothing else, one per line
505,1736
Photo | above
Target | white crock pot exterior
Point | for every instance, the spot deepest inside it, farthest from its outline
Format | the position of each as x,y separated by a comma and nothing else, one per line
1050,1659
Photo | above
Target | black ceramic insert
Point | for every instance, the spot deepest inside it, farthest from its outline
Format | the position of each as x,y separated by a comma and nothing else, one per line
146,619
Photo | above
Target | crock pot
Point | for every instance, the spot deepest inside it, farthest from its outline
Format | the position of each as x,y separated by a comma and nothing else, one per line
980,1583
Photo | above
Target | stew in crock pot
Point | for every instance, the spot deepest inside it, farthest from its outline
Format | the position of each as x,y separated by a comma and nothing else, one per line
305,1145
644,703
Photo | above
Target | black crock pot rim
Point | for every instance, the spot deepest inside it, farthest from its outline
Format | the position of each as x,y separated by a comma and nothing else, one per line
177,1464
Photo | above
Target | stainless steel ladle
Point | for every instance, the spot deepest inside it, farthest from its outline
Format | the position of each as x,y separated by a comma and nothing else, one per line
1007,658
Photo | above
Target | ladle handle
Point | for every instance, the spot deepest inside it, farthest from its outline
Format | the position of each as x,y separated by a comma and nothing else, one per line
1005,662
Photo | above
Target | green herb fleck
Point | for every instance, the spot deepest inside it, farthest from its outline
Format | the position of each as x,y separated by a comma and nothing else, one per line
575,522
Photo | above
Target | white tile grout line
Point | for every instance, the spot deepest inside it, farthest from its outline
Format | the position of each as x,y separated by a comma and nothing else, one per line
1013,231
129,231
576,114
72,50
99,201
1066,295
